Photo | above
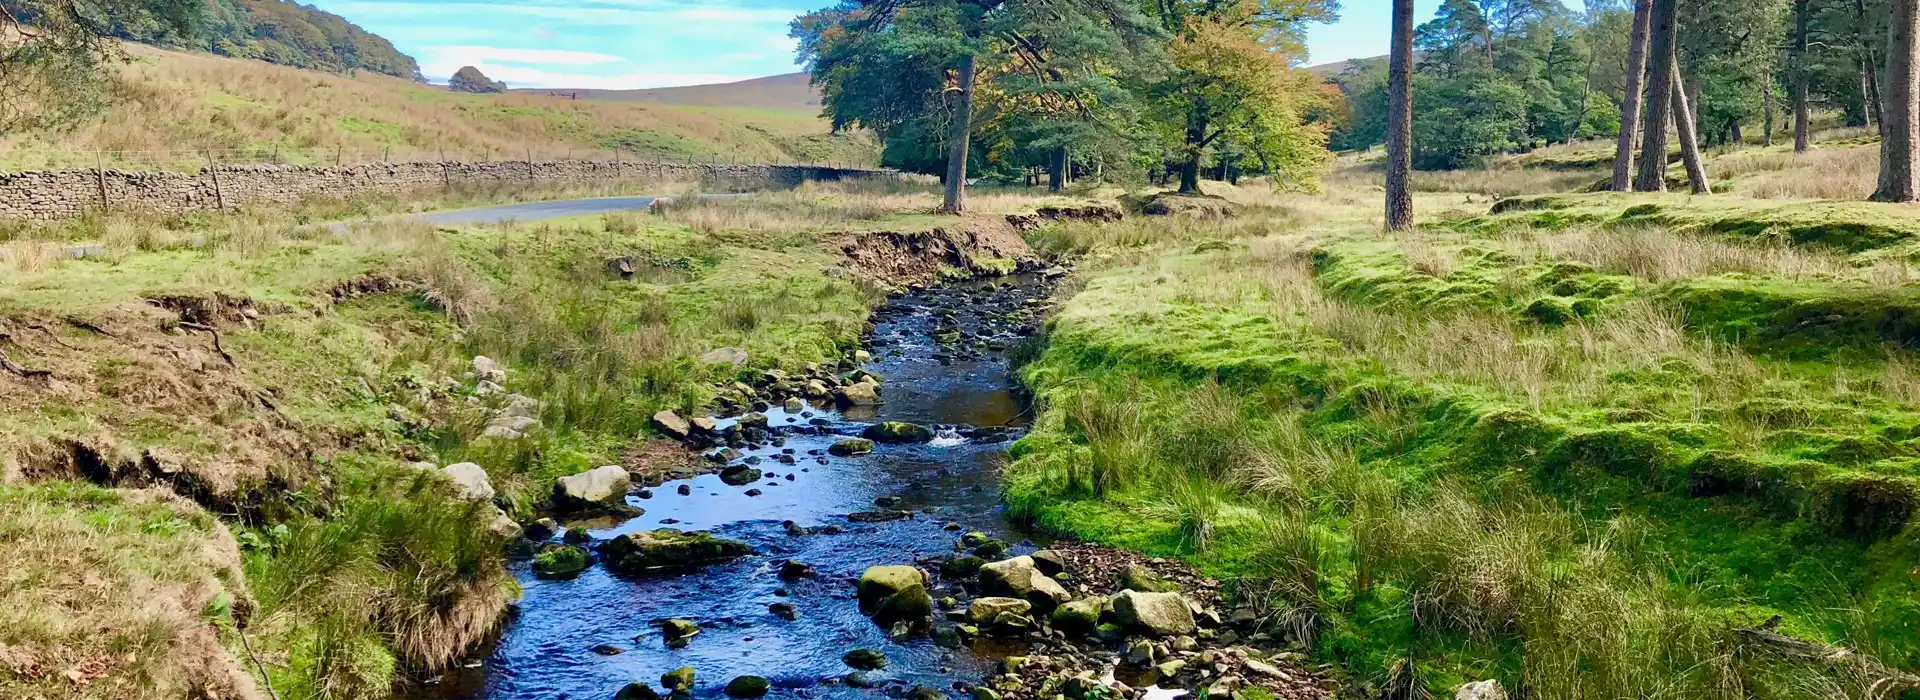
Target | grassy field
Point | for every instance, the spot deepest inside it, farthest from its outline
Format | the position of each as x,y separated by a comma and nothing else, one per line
1574,444
176,109
341,358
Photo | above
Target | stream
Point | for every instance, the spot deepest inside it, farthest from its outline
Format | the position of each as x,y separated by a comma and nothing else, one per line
563,641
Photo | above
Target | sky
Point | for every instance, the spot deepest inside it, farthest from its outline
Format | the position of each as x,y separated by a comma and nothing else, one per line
634,44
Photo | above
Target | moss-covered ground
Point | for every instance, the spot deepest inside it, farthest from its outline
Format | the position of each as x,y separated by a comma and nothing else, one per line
1573,444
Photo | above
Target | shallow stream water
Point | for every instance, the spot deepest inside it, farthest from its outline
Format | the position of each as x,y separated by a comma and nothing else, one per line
549,651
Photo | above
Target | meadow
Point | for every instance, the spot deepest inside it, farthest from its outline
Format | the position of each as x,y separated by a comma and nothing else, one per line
1592,445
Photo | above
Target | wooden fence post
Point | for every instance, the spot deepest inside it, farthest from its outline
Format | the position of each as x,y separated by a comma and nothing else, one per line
219,197
100,176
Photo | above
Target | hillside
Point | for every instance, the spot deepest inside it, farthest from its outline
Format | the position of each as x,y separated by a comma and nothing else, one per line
790,91
179,106
288,34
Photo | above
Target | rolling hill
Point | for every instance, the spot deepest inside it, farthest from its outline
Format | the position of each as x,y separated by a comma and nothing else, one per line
180,108
790,91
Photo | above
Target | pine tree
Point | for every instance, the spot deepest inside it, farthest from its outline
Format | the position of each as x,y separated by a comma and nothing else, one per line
1660,89
1802,79
1630,109
1900,132
1400,120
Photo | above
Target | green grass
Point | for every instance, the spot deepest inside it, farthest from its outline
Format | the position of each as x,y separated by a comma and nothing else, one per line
1558,453
365,573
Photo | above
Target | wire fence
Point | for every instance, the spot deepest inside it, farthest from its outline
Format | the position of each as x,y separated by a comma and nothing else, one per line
16,160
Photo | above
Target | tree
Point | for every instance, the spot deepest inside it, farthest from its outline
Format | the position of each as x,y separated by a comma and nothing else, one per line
1683,125
1630,109
1233,81
55,55
910,69
1802,77
1900,130
1400,120
1660,88
470,79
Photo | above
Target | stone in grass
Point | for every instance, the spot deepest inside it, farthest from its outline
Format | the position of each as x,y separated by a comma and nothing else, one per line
865,659
850,447
896,432
747,687
679,680
642,552
560,561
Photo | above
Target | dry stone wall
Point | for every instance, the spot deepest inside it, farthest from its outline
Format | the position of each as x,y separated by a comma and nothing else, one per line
60,194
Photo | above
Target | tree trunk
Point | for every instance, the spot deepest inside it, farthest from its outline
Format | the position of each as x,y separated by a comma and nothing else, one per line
1661,90
1630,111
1733,132
1400,120
1196,146
959,140
1802,113
1868,57
1683,123
1057,169
1766,107
1900,133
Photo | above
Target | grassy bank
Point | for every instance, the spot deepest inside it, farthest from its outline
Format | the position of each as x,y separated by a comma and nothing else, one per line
1576,453
282,378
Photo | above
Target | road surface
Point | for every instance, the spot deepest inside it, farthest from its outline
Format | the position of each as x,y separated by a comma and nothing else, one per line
538,211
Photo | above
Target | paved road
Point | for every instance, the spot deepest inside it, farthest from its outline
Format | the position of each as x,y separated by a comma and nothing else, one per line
538,211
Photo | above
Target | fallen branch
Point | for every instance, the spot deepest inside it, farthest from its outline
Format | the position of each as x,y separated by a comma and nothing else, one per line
1887,682
7,364
86,325
210,330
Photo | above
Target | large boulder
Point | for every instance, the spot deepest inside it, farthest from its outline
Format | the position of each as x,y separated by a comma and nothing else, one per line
740,475
672,425
912,604
1019,578
1080,616
880,582
469,481
1158,614
604,488
858,394
642,552
896,432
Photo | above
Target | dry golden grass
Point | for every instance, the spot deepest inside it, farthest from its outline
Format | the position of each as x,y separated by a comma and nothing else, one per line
116,594
178,107
1660,254
1837,172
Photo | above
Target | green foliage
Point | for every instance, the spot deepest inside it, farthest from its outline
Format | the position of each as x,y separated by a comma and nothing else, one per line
291,34
54,54
1461,122
470,79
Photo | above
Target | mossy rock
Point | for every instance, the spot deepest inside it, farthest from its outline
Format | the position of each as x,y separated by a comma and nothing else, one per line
747,687
1869,507
1550,311
1623,452
1512,437
560,561
896,432
642,552
850,447
679,680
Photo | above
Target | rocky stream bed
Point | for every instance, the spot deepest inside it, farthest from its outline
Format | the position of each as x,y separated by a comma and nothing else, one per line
848,542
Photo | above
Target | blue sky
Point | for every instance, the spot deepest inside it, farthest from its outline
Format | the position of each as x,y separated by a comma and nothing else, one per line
629,44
